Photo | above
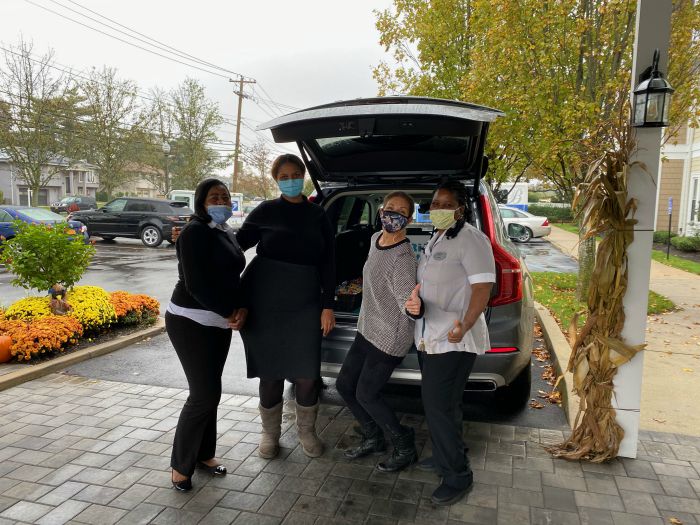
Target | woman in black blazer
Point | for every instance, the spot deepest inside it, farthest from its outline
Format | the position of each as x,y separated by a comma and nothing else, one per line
206,304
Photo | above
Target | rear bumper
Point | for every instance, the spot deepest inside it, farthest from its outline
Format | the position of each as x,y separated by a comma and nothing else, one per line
478,381
542,231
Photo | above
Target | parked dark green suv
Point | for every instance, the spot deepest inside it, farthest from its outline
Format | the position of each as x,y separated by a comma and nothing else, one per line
359,150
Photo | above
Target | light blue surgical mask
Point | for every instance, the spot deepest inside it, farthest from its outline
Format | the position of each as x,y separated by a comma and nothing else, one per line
291,187
219,213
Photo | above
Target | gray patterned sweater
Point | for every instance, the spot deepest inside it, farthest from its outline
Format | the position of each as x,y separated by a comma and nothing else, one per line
388,278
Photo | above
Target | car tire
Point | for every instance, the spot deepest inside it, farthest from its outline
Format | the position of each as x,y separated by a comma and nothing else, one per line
151,236
107,237
526,236
514,396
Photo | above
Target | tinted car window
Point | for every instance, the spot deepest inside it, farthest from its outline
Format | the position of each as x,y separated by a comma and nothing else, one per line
507,214
5,217
140,206
179,210
116,205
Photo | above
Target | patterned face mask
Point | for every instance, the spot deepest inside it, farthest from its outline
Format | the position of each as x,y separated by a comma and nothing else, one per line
393,221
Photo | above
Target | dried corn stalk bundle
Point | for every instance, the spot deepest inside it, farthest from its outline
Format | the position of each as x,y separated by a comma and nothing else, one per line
598,350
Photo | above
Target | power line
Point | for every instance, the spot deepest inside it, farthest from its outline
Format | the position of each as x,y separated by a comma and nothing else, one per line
178,51
125,41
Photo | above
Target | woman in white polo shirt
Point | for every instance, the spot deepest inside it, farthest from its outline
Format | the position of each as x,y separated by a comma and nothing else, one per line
456,274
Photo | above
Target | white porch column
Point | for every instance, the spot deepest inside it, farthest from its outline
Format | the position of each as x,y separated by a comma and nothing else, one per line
653,32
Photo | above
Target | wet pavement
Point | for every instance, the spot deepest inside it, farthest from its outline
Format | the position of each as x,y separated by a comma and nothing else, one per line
127,264
541,256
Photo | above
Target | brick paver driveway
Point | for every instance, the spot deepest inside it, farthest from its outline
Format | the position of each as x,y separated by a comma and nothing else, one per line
84,451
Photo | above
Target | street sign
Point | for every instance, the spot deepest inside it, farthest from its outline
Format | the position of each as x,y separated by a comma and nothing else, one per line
670,205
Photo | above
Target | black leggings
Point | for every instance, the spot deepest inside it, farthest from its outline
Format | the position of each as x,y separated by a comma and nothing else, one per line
364,373
271,390
202,351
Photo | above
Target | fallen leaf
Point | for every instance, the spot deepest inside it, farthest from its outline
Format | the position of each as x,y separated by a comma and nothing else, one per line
536,404
659,420
675,521
689,370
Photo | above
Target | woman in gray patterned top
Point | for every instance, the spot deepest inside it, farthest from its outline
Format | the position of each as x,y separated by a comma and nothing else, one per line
384,336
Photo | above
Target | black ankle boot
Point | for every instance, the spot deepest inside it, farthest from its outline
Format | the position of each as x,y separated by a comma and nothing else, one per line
372,442
404,451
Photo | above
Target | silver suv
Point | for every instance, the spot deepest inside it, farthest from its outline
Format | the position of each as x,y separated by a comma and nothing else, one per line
356,152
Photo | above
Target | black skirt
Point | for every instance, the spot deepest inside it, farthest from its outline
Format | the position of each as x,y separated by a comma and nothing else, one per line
282,334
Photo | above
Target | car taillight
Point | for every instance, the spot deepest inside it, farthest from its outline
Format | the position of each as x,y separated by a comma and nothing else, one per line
546,222
502,350
509,275
311,198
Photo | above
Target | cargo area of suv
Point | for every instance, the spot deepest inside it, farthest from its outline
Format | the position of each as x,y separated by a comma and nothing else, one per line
358,151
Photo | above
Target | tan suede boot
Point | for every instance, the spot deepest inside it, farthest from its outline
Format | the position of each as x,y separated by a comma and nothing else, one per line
271,430
306,430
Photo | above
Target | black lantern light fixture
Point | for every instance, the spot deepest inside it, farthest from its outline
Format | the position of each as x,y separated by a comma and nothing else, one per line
652,97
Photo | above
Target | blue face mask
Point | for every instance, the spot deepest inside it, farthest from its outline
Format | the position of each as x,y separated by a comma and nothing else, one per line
291,187
219,213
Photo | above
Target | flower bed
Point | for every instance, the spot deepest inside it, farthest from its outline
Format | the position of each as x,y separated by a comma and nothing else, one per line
36,332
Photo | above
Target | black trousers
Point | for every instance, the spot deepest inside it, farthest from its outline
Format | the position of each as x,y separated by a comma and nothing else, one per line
444,378
365,371
202,351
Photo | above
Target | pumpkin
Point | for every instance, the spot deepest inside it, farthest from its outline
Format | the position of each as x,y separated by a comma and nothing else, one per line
5,343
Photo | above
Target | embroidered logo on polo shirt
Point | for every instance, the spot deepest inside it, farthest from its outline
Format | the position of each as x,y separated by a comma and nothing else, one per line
440,256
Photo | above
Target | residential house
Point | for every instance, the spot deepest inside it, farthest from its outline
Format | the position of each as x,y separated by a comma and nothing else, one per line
70,178
139,183
679,183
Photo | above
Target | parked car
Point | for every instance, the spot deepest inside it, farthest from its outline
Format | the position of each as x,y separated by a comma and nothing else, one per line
534,226
356,152
74,203
9,214
150,220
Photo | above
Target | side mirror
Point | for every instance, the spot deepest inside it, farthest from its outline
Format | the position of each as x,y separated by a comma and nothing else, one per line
516,231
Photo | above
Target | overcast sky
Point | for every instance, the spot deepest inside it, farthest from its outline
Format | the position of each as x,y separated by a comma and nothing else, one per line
302,53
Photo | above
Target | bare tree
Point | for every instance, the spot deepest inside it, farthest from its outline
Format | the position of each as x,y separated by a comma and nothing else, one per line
39,116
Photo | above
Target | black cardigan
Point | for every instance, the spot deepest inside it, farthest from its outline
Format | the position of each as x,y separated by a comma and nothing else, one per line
209,266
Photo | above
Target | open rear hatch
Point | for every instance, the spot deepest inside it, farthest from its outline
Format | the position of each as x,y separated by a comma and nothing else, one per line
389,139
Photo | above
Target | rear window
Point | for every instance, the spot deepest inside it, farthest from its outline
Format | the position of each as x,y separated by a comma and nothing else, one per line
40,214
179,210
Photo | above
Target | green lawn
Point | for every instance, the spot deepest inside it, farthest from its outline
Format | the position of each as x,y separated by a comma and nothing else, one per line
557,292
657,255
568,226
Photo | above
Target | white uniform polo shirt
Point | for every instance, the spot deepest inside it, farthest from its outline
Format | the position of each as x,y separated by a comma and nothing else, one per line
446,271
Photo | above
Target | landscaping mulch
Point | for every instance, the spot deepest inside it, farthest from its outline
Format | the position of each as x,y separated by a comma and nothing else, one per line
690,256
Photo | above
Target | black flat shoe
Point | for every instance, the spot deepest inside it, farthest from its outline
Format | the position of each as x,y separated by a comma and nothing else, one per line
184,485
217,470
446,495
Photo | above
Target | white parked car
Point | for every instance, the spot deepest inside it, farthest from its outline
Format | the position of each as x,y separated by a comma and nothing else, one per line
534,226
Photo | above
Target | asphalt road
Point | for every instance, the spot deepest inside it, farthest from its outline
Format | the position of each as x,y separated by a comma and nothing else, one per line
127,264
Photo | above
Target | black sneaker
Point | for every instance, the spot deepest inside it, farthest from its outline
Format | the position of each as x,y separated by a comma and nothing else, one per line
445,495
427,464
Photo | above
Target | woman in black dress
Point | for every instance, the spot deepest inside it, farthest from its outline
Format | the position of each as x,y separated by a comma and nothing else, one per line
205,305
290,304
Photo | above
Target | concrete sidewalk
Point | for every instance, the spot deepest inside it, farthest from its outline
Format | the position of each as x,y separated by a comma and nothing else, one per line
78,450
671,382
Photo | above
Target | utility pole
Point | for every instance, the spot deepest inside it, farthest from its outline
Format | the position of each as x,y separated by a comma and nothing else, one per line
241,83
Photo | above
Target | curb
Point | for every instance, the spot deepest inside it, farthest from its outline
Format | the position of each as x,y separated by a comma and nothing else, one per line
559,346
35,371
